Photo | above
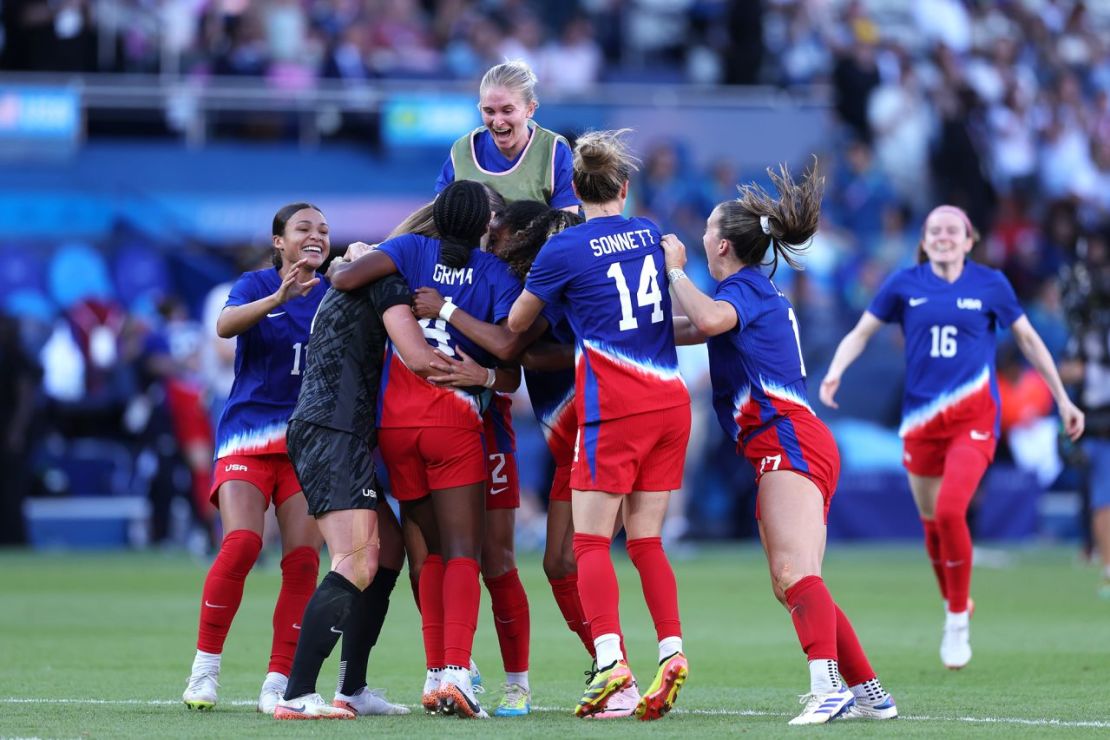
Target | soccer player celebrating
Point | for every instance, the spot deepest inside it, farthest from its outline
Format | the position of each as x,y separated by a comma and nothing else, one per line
759,391
632,406
509,151
431,437
950,308
331,438
548,370
269,312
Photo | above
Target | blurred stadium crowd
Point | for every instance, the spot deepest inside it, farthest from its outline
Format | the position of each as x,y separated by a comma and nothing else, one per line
1001,107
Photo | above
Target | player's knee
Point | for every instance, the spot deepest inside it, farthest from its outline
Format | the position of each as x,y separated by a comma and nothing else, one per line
359,567
785,572
497,563
558,565
949,516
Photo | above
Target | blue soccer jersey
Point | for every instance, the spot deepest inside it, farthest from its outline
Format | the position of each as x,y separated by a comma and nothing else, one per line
485,289
950,341
269,360
610,276
756,367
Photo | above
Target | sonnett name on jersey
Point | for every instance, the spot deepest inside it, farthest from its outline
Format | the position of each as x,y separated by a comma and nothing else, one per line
622,242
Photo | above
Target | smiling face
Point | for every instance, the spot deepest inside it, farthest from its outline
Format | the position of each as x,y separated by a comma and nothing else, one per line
505,114
946,240
305,237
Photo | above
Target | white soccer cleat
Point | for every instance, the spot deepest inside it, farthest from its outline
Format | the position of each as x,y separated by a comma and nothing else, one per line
820,708
368,702
458,697
862,709
955,646
273,689
621,704
310,706
430,698
200,692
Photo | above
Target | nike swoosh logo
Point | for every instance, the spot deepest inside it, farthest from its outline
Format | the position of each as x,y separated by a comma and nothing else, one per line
296,709
504,621
495,491
296,626
275,315
953,563
213,606
980,436
914,302
338,632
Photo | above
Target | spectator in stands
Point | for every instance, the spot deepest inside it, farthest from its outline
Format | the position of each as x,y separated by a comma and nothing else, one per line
1087,290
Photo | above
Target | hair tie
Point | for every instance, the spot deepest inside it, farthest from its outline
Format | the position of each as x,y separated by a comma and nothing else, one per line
765,224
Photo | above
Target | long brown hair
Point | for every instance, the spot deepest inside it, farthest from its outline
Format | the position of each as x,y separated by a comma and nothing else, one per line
757,221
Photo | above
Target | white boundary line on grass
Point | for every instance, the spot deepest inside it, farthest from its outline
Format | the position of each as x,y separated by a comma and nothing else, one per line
707,712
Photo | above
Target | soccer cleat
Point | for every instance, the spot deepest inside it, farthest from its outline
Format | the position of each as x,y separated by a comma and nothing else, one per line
820,708
200,692
273,689
955,647
430,698
457,697
862,709
621,704
604,683
310,706
516,701
661,695
368,702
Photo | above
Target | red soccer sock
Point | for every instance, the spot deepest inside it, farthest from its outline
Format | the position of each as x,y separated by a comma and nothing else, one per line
461,596
431,610
853,662
814,615
223,588
298,582
597,584
658,583
963,469
570,605
511,619
932,547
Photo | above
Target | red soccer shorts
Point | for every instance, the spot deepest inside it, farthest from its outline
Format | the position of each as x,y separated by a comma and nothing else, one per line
424,459
271,474
800,442
641,452
502,477
924,455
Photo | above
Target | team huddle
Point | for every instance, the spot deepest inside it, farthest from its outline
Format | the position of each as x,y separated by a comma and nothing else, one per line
410,348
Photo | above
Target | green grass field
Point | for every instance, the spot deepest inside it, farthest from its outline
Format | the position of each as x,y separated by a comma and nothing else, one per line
100,645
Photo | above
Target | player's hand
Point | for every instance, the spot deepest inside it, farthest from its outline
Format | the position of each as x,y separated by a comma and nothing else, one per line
827,393
358,249
674,252
1073,419
291,287
463,372
426,303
